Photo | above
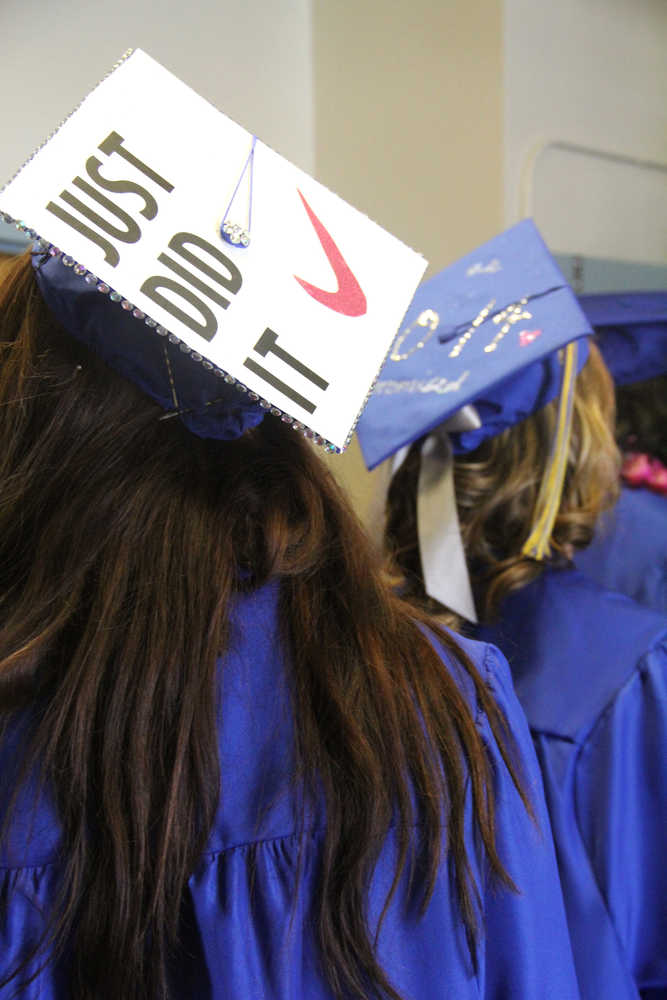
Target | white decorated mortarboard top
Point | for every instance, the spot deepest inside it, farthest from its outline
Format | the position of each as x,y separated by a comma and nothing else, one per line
206,234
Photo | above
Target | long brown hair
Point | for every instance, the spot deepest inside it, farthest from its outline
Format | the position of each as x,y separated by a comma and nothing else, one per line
496,492
122,542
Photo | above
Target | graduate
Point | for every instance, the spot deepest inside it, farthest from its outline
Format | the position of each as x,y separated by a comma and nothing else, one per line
629,550
500,414
235,764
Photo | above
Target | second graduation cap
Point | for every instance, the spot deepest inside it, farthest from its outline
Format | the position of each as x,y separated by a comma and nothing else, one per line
488,331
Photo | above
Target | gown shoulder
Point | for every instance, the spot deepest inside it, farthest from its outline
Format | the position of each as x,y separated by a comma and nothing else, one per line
248,924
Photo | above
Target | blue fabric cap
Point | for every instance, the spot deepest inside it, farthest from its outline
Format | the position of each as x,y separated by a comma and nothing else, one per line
491,329
631,332
207,405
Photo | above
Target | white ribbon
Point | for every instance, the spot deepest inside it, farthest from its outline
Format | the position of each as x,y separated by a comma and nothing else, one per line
440,544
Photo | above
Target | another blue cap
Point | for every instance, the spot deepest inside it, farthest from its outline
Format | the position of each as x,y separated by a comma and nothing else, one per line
486,331
631,332
207,405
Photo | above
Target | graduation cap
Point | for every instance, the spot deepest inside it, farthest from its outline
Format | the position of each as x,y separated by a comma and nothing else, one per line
631,332
198,262
485,343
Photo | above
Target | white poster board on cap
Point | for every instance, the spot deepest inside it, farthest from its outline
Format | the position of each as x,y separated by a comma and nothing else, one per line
134,186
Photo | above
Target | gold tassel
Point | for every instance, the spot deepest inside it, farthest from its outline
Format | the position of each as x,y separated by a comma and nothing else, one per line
548,500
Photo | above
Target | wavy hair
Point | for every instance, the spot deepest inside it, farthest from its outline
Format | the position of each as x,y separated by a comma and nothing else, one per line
123,540
497,486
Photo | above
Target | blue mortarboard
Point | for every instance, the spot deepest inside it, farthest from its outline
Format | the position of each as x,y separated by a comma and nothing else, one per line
493,338
487,330
207,405
631,332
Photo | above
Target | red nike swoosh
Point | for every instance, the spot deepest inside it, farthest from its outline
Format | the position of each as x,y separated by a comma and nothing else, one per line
348,298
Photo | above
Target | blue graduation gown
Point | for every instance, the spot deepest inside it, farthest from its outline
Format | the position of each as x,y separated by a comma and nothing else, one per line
233,950
590,670
629,550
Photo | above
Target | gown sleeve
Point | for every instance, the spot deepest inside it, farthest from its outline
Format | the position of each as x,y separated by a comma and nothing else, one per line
528,949
524,948
607,796
620,798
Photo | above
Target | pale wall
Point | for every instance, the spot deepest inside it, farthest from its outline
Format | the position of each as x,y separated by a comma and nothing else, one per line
592,73
408,128
252,60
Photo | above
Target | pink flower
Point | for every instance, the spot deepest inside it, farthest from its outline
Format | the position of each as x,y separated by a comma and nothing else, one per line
636,469
658,478
641,470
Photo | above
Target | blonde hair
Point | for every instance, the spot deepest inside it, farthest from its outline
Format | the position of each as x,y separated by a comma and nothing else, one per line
496,492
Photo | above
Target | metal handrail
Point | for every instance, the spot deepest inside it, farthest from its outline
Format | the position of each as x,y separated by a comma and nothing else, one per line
527,186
